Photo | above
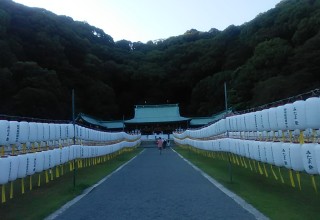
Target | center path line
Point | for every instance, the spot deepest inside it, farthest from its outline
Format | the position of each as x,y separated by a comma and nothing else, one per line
154,186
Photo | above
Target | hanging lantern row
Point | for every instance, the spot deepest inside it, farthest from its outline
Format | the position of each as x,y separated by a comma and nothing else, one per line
287,123
284,136
305,157
39,135
37,147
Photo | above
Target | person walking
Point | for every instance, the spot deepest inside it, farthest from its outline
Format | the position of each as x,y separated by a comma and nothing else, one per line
159,143
164,144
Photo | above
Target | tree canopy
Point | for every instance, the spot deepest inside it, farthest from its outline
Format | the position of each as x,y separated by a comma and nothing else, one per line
44,56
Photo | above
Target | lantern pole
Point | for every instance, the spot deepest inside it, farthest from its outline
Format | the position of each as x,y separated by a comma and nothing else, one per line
74,138
226,106
122,122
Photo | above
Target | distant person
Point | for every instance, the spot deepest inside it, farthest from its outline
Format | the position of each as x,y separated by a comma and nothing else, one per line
159,143
168,143
164,144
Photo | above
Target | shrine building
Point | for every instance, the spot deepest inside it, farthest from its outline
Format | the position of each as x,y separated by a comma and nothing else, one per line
151,119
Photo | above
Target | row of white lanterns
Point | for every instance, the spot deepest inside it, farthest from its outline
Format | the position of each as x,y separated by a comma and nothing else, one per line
59,138
23,165
299,116
50,134
293,156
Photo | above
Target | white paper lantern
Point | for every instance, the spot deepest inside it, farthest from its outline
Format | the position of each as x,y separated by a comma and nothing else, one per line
242,148
86,136
92,151
40,129
241,123
281,117
238,148
250,123
52,159
4,132
64,131
246,148
285,151
82,153
269,153
72,153
277,154
225,145
46,132
4,169
22,170
259,121
263,151
77,152
265,120
236,123
58,132
312,112
295,157
70,131
14,166
214,145
289,117
207,145
255,149
232,145
317,153
33,132
79,132
14,132
24,132
40,160
46,162
52,132
299,111
308,155
222,126
31,164
57,156
65,155
273,121
228,125
87,151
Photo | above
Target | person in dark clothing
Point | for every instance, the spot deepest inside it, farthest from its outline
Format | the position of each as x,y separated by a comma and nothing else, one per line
164,144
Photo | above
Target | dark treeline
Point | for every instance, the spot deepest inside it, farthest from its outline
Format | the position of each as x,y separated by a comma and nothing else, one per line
43,56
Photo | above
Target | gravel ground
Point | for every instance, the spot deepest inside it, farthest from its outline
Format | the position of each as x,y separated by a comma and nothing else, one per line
155,186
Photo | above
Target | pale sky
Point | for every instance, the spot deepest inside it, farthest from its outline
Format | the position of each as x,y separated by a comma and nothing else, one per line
143,20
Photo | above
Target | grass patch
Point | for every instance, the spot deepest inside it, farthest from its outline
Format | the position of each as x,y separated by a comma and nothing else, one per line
42,201
275,199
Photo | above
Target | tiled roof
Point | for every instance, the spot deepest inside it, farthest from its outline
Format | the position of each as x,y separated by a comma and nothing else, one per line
156,114
113,124
90,120
202,121
102,124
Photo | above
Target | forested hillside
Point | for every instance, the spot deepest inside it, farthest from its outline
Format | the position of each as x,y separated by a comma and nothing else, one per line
43,56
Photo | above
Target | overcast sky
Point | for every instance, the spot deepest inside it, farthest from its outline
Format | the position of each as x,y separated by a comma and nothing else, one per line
143,20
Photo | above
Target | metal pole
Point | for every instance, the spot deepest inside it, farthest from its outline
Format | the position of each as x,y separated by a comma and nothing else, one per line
122,122
74,138
73,118
226,105
225,96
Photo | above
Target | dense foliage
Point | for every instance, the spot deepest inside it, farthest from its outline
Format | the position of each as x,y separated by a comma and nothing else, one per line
43,56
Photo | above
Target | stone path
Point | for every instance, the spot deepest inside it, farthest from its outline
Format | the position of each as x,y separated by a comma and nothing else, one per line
154,186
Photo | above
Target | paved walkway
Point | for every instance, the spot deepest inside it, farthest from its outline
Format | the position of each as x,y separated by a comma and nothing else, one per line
154,186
